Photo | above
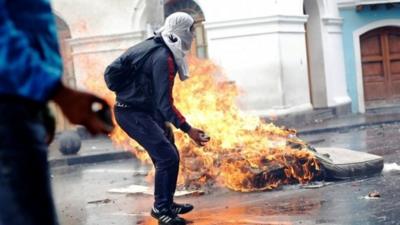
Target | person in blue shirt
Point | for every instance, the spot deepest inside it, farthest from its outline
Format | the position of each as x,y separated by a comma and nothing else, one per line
30,76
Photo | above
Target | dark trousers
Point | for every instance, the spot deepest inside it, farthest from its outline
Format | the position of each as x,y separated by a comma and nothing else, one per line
155,138
25,193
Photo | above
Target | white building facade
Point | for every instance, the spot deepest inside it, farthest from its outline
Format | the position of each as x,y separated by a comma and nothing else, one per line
286,55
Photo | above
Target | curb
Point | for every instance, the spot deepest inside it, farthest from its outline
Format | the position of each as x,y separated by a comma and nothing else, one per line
345,128
95,158
118,155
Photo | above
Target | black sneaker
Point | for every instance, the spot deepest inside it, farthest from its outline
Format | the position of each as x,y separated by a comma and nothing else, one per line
166,217
181,208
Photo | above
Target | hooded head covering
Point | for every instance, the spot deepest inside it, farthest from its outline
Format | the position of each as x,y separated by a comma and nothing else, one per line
177,35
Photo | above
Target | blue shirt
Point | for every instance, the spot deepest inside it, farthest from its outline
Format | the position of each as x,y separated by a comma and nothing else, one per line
30,62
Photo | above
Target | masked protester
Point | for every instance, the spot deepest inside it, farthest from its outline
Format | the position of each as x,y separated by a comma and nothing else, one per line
145,107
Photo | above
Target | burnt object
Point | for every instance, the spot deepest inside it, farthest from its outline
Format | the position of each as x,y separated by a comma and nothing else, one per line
340,164
103,112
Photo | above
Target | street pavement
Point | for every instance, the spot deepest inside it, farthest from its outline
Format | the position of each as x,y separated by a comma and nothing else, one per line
81,195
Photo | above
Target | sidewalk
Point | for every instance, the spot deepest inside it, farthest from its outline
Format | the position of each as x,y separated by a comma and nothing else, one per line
100,149
93,150
348,122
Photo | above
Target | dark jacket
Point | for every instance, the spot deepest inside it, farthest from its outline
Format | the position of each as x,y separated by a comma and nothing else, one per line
151,89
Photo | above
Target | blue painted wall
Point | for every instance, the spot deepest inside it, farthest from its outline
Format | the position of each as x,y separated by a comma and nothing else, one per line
352,21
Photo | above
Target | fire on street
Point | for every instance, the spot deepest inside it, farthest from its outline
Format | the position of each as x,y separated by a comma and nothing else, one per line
335,203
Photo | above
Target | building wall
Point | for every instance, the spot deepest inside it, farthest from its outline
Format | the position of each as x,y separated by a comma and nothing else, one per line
102,31
86,18
261,46
353,23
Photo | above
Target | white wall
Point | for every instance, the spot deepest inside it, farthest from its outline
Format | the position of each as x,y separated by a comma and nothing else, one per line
261,46
227,9
352,3
103,17
103,29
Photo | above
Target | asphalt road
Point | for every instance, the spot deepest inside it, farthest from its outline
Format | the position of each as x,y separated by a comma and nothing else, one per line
81,192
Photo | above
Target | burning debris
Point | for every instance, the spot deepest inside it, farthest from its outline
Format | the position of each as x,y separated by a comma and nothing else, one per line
244,154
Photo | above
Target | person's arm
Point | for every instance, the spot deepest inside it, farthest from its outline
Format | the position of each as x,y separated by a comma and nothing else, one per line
163,82
77,106
24,71
31,66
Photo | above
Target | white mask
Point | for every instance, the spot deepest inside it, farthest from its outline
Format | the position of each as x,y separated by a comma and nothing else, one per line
178,36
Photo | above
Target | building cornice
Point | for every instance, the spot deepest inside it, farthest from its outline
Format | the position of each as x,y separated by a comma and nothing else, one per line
104,43
333,24
336,21
288,24
105,38
296,19
354,3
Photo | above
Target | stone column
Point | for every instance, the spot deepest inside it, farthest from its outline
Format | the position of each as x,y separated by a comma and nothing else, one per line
327,69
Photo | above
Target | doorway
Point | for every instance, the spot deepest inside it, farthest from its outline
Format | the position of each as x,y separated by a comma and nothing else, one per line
380,58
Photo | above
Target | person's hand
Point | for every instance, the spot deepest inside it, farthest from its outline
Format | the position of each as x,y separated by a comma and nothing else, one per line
77,106
198,136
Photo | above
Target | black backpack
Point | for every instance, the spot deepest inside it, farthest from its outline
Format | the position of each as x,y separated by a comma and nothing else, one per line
121,72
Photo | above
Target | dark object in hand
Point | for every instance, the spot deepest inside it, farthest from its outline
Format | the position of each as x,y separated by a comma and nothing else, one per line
103,112
204,137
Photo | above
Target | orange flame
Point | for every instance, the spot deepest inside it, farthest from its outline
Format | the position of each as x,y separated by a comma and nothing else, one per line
244,154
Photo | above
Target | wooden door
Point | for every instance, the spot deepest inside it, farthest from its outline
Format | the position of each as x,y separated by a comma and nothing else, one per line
380,54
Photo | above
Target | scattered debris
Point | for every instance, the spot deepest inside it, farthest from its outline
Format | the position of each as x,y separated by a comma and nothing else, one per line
389,167
374,194
316,141
315,185
140,173
102,201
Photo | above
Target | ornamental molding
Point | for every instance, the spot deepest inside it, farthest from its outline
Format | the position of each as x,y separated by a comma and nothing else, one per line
354,3
277,24
288,19
104,43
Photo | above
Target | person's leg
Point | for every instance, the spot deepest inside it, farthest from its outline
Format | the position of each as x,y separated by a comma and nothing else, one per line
168,131
176,208
142,128
25,192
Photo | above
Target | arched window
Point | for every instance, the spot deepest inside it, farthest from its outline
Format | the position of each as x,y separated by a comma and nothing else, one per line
199,46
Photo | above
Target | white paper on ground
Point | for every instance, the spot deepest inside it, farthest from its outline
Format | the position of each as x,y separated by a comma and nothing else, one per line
140,189
388,167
